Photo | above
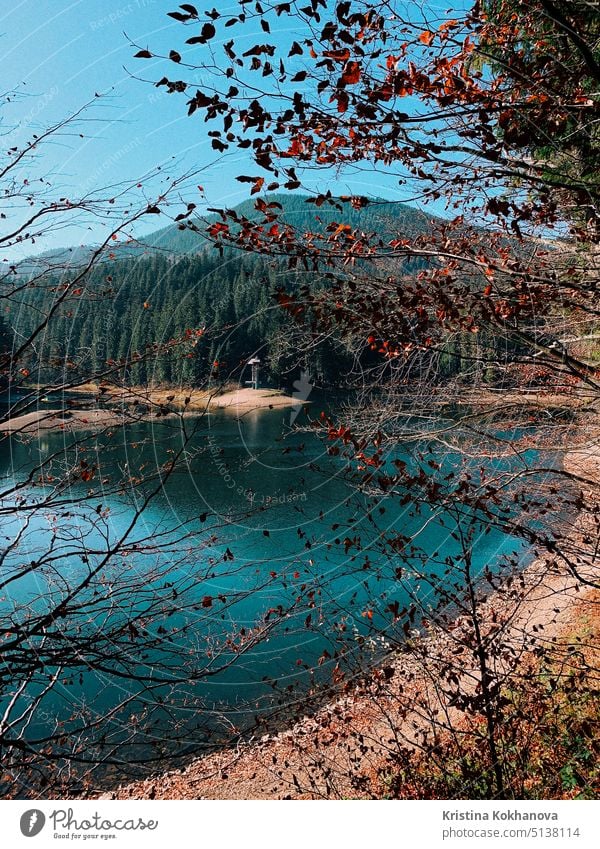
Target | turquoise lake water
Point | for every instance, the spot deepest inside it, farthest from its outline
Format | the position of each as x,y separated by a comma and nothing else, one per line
258,515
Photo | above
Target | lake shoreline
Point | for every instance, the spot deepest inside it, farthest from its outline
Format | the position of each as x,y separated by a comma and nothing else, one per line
137,406
284,764
139,403
230,395
245,771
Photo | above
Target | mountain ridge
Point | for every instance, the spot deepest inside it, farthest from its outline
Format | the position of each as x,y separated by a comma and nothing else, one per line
180,239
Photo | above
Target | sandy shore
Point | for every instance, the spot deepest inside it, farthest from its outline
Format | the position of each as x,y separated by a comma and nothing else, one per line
135,406
345,743
253,399
190,399
45,421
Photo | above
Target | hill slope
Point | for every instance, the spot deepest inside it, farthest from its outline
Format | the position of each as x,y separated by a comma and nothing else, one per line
177,284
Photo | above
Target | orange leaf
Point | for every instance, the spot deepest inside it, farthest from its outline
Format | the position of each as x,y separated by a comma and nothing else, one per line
351,73
426,37
215,229
342,101
341,55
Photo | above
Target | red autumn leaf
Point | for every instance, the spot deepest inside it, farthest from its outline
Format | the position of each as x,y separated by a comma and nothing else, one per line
342,101
338,55
351,74
426,37
217,228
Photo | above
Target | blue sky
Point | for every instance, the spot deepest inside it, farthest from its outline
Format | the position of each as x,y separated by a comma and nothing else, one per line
64,52
61,53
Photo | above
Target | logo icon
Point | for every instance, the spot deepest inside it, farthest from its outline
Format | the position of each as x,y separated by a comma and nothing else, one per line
32,822
302,389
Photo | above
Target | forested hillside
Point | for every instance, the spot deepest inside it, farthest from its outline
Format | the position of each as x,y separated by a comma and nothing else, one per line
177,285
174,309
378,216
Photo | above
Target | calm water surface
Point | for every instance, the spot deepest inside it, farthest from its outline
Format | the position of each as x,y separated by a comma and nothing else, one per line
270,512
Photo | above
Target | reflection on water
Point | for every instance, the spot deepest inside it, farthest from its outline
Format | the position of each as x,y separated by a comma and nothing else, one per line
255,521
